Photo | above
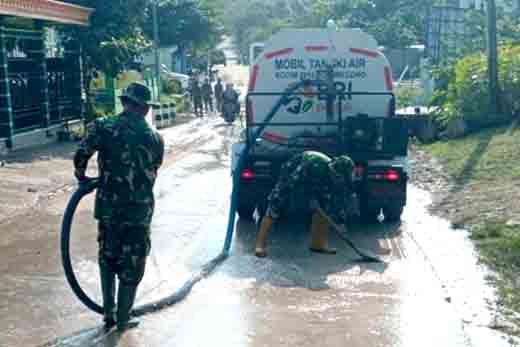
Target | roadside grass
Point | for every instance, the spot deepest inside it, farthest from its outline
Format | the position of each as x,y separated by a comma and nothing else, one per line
499,248
485,166
487,157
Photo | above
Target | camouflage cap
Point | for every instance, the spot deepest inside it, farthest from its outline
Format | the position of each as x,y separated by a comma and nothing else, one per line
343,165
138,93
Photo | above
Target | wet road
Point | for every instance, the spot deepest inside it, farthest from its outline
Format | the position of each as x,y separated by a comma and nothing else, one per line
430,292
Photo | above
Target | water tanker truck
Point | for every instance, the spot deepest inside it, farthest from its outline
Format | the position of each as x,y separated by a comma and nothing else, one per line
328,90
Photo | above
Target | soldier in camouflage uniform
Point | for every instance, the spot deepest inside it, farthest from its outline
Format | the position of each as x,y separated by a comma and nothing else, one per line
130,153
196,93
319,180
207,94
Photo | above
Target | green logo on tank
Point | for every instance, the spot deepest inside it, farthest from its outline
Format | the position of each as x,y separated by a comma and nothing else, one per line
307,105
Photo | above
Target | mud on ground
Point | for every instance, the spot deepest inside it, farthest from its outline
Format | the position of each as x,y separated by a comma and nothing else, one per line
465,203
33,176
489,209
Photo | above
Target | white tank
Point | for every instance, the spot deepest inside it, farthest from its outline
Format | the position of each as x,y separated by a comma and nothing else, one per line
293,55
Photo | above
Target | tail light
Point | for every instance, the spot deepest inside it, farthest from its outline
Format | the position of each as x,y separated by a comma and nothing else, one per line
247,174
392,175
389,176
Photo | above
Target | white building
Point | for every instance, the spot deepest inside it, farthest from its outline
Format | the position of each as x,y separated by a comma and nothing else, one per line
171,57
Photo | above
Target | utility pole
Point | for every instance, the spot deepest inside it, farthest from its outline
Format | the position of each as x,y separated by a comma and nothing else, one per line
156,51
492,57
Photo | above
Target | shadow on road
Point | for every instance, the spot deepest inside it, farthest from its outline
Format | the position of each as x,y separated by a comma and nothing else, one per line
466,173
57,150
91,337
290,263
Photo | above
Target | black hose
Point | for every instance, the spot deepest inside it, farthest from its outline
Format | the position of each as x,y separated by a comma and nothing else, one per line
85,188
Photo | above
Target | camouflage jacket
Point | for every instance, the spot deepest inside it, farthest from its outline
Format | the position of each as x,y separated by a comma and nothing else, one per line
307,176
129,156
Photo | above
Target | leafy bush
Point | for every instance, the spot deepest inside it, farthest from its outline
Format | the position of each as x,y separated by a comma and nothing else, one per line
462,92
171,86
407,95
181,101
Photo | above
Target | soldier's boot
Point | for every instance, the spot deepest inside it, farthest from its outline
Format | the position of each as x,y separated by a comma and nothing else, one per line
265,227
108,289
320,235
125,301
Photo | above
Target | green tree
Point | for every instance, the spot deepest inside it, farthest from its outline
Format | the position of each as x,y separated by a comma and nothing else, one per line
395,23
114,38
193,24
121,31
185,23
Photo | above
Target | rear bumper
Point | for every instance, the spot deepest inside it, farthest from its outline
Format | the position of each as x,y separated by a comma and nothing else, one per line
384,195
374,194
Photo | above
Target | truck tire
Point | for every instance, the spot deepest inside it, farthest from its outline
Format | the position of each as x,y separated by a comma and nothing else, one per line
393,214
246,212
369,215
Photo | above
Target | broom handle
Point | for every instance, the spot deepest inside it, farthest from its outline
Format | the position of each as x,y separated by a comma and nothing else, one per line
340,230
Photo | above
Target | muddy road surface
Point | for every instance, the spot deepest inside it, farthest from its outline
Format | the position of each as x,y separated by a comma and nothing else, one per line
430,291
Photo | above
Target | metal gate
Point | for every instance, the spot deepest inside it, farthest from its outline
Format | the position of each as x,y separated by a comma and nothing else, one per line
25,85
64,89
39,91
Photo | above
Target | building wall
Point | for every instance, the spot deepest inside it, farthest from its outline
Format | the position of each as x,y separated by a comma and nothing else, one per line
165,57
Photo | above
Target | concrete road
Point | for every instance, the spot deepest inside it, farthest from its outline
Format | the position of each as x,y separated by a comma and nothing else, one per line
430,291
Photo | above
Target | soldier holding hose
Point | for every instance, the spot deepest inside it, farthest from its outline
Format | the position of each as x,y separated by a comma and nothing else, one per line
130,153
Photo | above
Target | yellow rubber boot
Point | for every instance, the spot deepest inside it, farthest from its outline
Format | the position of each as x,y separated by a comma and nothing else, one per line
261,238
320,234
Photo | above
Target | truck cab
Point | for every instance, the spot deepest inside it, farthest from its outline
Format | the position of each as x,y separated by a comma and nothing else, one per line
331,91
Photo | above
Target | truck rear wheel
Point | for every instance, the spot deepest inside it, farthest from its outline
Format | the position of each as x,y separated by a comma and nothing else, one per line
393,214
369,215
246,212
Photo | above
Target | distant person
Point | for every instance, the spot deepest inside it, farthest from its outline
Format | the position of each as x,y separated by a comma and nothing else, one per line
191,83
323,183
230,104
196,93
218,91
130,154
230,95
207,96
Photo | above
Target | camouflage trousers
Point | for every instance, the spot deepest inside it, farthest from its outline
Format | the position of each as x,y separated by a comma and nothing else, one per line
208,104
123,250
283,198
198,105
